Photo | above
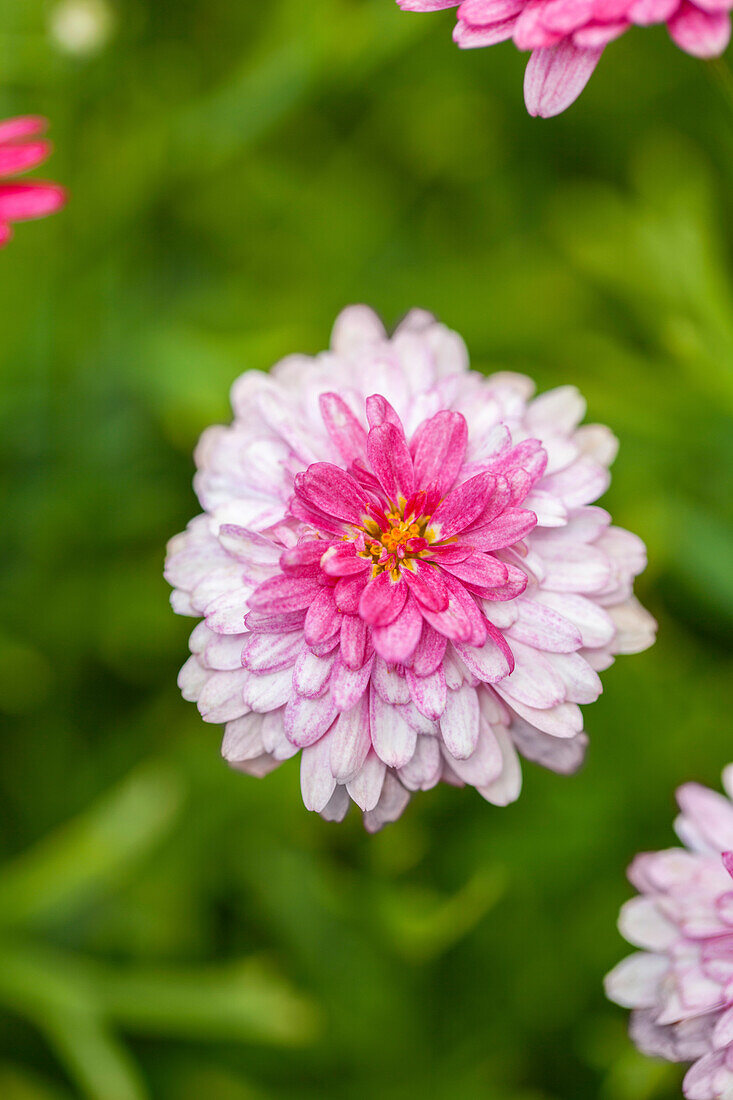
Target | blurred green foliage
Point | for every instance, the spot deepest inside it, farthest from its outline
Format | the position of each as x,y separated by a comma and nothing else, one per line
240,171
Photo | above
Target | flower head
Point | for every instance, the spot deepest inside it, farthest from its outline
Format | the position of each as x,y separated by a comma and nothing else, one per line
400,572
680,985
22,148
567,37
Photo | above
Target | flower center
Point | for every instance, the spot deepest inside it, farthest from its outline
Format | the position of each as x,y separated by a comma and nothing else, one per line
392,535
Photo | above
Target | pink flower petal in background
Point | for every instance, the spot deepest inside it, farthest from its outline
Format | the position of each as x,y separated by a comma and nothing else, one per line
18,154
395,609
567,37
678,985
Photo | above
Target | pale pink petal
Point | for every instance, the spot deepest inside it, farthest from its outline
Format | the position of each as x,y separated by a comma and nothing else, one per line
539,626
348,685
268,690
392,801
422,772
350,741
393,739
221,697
356,327
269,652
317,783
306,720
311,673
390,684
485,763
490,663
366,787
507,786
459,724
556,76
243,739
428,693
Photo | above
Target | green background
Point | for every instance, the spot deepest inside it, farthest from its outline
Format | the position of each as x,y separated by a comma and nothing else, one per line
240,171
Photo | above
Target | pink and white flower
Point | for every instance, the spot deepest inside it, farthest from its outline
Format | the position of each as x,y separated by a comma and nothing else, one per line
567,37
680,985
401,573
23,148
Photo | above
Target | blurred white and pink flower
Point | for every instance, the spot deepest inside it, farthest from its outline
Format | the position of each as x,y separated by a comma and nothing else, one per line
680,985
401,573
567,37
22,148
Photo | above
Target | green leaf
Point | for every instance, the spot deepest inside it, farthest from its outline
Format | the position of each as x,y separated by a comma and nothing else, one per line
94,851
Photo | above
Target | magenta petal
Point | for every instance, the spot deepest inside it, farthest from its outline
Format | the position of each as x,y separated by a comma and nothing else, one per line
382,600
379,411
429,653
480,13
427,585
21,158
555,77
342,560
396,643
427,5
390,459
480,570
453,623
503,531
303,555
353,641
700,33
5,234
25,201
323,618
440,450
284,593
347,593
333,491
23,126
462,506
347,434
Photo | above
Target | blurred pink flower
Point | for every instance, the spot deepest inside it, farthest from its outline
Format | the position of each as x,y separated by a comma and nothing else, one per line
680,985
399,572
567,37
22,148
